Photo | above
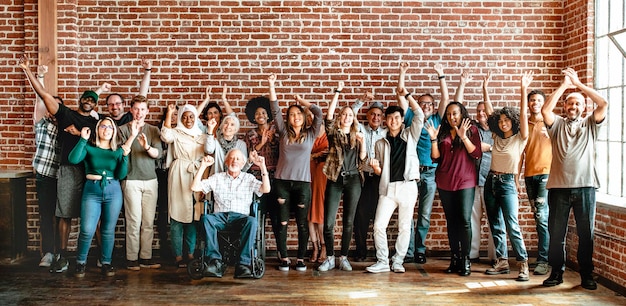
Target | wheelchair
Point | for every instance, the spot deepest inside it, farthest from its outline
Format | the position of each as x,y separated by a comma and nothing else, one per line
229,243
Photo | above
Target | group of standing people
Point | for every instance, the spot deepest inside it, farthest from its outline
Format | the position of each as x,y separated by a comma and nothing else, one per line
378,168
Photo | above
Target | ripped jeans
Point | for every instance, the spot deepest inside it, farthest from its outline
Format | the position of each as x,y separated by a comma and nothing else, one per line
296,196
538,198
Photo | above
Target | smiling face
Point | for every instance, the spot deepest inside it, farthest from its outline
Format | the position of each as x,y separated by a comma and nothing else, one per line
346,118
260,116
87,104
213,113
106,129
427,104
115,105
188,119
535,103
574,106
229,128
295,117
394,122
505,125
481,115
235,161
374,117
454,116
139,110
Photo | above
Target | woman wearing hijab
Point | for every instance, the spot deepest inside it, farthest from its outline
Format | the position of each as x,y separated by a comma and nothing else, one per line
186,150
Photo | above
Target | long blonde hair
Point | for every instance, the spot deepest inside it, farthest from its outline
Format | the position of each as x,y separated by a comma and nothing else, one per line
354,128
113,141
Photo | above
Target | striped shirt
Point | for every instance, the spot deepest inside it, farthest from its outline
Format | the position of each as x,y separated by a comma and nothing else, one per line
232,194
48,149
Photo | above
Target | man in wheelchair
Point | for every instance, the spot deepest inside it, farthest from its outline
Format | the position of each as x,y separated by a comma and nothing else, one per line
232,192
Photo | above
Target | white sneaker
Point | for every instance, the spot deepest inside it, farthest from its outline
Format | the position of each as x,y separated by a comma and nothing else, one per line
344,264
397,267
379,266
46,260
328,264
99,263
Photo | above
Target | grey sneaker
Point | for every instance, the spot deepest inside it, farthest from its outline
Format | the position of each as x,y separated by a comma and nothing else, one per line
378,267
397,267
542,268
328,264
46,260
60,264
344,264
500,267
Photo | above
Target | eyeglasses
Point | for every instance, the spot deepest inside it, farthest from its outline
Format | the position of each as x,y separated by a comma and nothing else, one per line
426,103
108,127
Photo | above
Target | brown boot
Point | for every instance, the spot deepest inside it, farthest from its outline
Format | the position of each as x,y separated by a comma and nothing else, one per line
523,271
500,267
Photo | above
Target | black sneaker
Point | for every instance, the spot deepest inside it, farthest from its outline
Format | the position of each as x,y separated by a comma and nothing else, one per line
215,268
60,265
300,266
132,265
107,270
284,265
149,263
420,258
556,278
80,270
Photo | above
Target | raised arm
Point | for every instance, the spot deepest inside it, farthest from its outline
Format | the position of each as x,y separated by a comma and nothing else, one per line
466,77
488,105
443,87
51,104
227,107
40,107
527,78
206,162
400,90
333,103
547,111
602,104
145,82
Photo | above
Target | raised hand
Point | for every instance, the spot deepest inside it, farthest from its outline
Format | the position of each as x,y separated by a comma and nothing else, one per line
573,77
340,86
466,77
271,79
486,79
24,62
106,87
432,132
368,97
360,137
404,66
527,78
134,130
85,133
171,108
465,126
211,124
207,161
439,69
146,64
224,92
42,70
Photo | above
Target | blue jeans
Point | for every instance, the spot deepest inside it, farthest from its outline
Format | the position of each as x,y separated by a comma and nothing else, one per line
501,197
47,200
178,230
213,223
583,201
426,188
538,198
350,186
457,205
296,195
365,211
98,203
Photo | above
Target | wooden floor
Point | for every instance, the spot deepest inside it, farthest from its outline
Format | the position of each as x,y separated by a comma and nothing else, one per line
26,284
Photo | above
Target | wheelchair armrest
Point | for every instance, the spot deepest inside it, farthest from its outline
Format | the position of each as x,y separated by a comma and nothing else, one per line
254,206
208,206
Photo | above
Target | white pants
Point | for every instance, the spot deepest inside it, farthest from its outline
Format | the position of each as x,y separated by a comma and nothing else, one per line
477,214
401,195
140,199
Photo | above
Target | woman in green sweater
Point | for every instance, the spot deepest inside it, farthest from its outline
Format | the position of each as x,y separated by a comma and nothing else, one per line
105,165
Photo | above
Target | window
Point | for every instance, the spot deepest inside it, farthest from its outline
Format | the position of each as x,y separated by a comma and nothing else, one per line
610,81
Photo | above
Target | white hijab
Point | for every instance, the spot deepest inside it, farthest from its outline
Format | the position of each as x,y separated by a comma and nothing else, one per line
195,130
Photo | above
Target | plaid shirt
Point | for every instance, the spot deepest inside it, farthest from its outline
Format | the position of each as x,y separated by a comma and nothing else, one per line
232,194
48,149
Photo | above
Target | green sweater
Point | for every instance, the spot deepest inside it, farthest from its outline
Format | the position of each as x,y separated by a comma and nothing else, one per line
104,162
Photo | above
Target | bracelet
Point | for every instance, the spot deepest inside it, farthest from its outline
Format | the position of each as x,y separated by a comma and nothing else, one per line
433,140
148,69
148,149
264,174
464,139
442,77
407,95
337,91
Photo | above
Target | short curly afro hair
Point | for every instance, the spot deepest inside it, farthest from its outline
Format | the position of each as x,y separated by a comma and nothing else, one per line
509,112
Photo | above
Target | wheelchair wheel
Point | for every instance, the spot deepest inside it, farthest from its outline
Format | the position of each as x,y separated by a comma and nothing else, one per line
194,268
258,268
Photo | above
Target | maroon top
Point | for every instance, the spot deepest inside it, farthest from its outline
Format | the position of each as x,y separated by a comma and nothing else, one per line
456,169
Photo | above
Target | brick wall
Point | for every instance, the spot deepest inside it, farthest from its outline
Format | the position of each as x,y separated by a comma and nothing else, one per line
310,45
